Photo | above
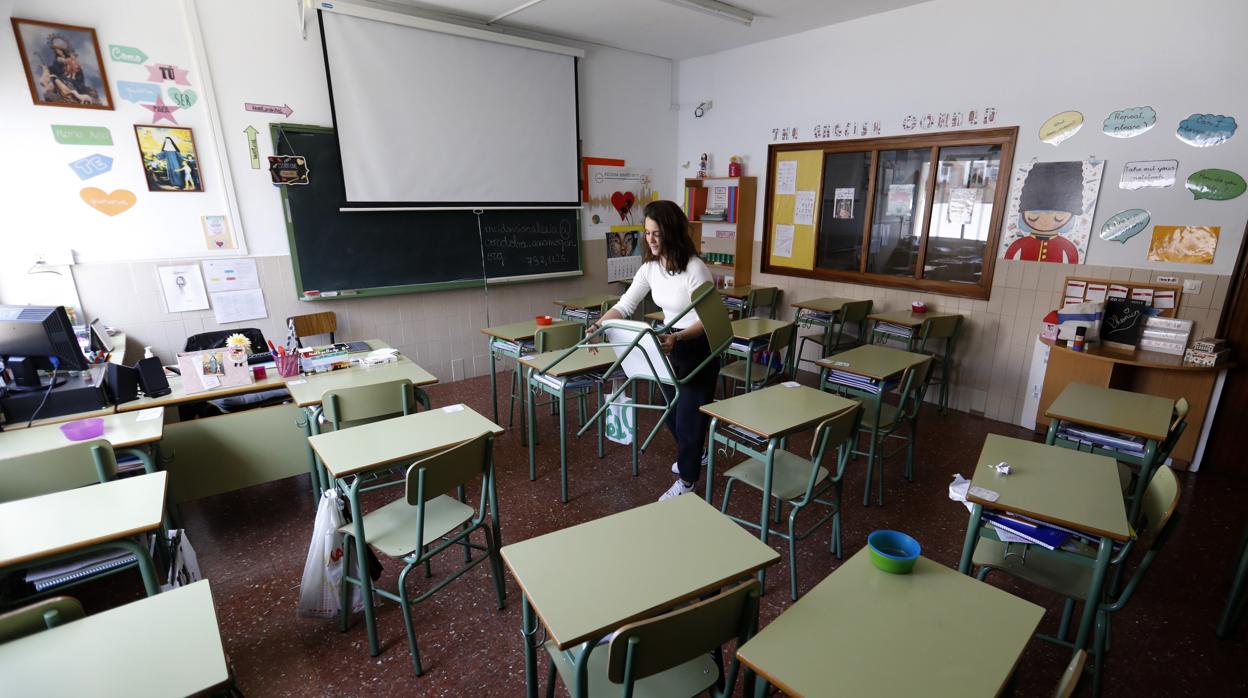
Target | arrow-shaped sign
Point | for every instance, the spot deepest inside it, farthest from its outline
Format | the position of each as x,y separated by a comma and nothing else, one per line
284,110
252,147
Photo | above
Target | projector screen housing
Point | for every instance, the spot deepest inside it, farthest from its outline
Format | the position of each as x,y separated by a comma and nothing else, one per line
427,118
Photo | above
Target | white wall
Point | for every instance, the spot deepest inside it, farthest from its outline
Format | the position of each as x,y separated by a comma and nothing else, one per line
1030,61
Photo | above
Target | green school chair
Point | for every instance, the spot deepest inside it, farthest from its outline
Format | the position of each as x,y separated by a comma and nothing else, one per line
766,297
422,524
38,616
1069,575
800,482
934,330
833,338
65,468
668,655
750,374
360,405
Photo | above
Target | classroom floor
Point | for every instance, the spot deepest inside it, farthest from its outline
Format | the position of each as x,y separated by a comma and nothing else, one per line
252,545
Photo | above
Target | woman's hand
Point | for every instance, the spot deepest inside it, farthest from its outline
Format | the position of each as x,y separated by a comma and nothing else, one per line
667,342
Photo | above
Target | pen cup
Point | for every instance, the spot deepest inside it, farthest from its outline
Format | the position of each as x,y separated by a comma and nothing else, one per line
287,365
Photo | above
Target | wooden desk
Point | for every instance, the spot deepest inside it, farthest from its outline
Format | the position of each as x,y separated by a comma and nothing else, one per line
865,632
586,581
174,636
63,524
1055,485
578,363
879,364
509,340
772,414
1148,372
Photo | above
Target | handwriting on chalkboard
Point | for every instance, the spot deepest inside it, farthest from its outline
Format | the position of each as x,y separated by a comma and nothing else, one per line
1125,321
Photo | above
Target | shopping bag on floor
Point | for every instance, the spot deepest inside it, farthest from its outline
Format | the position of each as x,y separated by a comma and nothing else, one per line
621,419
321,588
183,563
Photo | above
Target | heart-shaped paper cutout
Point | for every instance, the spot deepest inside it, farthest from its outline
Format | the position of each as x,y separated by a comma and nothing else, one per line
108,203
183,98
623,203
220,243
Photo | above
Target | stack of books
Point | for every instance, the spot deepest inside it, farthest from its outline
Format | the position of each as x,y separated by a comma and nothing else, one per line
811,318
715,215
588,315
738,434
61,573
857,382
571,383
737,304
900,331
1130,445
1012,528
513,348
744,347
1207,352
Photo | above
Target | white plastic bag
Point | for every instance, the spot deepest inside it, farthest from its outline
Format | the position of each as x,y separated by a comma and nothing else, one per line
184,567
321,589
620,419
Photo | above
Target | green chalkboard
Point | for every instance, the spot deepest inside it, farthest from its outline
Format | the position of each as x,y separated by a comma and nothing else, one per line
340,254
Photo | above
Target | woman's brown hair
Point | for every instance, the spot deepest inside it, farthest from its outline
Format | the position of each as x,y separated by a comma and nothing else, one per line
675,243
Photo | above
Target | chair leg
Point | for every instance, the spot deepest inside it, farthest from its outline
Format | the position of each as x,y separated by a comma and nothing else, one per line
511,399
407,619
1068,611
1098,650
723,508
792,553
344,609
551,675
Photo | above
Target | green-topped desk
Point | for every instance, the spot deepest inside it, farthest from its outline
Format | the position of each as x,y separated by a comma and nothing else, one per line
865,632
586,581
585,309
129,432
750,332
174,636
769,416
65,524
512,340
1054,485
580,364
389,442
877,368
1146,416
905,318
823,313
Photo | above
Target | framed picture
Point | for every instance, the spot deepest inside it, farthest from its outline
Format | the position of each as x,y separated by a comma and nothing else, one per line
170,161
63,64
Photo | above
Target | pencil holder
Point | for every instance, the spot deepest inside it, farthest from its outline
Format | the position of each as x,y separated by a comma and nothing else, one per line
287,365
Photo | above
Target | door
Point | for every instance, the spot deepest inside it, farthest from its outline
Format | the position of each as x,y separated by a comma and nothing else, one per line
1227,439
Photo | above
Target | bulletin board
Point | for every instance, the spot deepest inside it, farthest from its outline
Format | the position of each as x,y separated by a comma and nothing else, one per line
784,190
1164,298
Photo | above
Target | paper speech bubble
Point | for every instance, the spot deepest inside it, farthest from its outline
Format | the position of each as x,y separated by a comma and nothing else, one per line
1129,123
1059,127
137,91
1218,185
1204,130
1124,225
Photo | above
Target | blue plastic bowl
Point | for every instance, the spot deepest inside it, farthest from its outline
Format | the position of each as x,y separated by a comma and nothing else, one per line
893,551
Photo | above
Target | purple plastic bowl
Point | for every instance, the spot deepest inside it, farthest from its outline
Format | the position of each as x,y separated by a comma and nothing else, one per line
83,429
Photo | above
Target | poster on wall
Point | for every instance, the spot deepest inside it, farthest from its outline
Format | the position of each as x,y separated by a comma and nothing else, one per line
170,162
843,203
623,252
1184,244
183,287
900,201
617,197
1050,212
62,64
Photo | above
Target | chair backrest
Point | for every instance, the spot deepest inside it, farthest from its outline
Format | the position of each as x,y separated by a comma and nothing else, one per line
759,297
349,406
834,431
325,322
945,328
714,317
671,639
1161,499
1178,424
54,470
781,339
646,360
854,311
1070,677
431,477
1180,413
914,387
558,337
216,340
39,616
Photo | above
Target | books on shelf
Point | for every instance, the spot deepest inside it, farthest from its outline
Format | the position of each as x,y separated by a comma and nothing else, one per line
733,303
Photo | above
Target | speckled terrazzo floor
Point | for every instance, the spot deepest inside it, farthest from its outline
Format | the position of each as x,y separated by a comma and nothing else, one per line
252,545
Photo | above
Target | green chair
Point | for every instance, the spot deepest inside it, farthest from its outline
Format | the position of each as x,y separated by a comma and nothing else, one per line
64,468
1069,574
554,338
934,330
833,339
419,526
800,482
667,655
752,375
766,297
38,616
365,404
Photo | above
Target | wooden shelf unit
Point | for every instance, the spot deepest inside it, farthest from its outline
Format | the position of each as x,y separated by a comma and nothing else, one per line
741,247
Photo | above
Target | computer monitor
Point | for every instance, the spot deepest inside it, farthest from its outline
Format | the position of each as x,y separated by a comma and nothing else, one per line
31,336
98,336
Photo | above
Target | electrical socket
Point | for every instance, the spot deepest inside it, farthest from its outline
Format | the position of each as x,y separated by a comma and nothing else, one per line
1192,285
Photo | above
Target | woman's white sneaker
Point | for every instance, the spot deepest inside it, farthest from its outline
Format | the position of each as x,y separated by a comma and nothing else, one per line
678,488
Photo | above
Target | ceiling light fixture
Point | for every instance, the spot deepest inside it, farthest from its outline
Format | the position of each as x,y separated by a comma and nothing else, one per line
715,8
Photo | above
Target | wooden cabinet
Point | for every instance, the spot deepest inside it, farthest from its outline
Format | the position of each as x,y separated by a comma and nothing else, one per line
732,239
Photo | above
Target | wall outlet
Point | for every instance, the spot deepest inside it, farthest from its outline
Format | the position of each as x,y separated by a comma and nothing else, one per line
1192,285
1167,279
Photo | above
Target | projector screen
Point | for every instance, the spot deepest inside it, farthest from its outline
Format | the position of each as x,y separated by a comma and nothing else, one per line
427,119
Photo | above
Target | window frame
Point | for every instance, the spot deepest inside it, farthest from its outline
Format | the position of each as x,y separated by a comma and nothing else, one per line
1006,138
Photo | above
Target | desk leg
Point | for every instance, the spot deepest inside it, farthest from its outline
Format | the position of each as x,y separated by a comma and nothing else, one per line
494,379
563,444
598,411
760,687
1094,592
146,569
765,519
875,432
316,473
361,556
1050,437
528,632
580,672
527,406
749,365
972,537
1147,465
710,457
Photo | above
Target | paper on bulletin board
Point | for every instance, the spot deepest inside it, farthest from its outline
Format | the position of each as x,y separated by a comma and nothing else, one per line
804,208
183,288
230,274
805,170
236,306
782,241
786,177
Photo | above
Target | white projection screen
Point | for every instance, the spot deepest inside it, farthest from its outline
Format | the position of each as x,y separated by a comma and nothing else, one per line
427,119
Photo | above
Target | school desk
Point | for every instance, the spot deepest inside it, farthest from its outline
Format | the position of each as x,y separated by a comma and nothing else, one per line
65,524
586,581
130,433
400,440
769,416
173,636
905,318
1121,411
879,365
1054,485
751,331
589,305
574,371
512,340
865,632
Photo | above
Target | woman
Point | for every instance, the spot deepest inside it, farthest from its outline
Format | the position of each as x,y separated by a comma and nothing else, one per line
670,271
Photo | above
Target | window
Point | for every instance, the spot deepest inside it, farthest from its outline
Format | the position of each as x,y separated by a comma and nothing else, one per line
917,212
